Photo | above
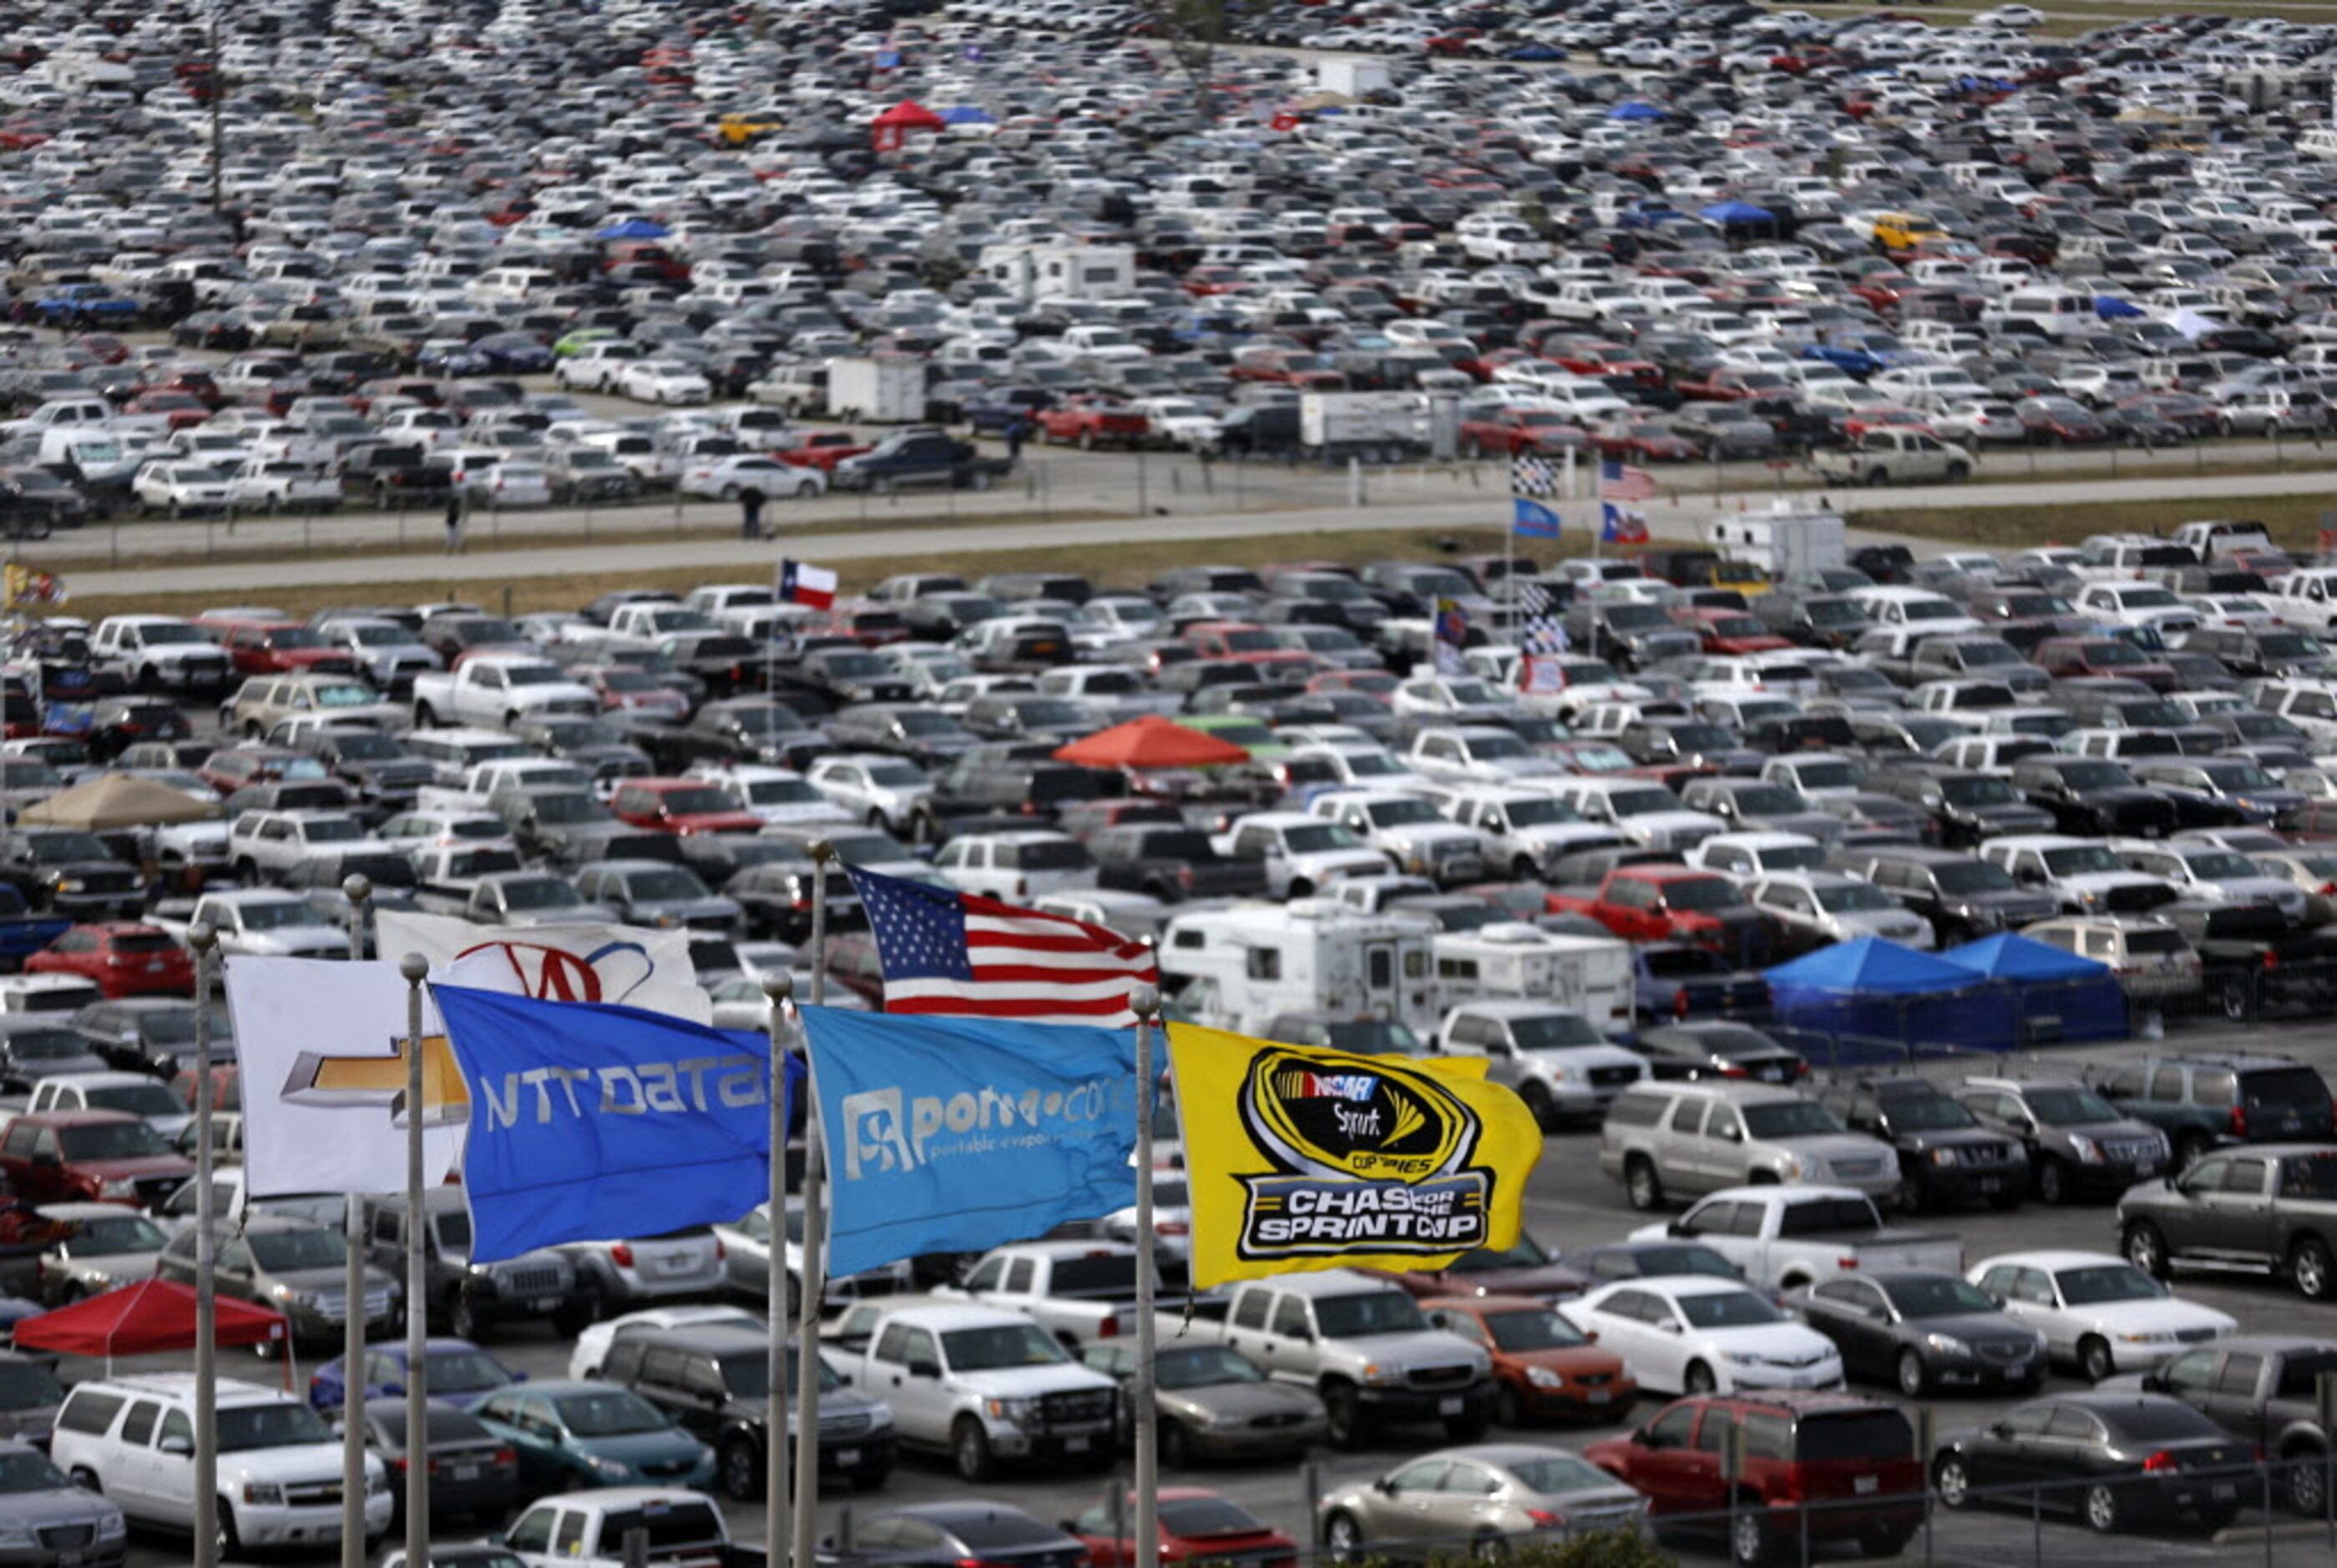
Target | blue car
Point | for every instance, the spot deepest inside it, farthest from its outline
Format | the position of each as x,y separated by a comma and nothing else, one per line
1857,362
460,1373
571,1435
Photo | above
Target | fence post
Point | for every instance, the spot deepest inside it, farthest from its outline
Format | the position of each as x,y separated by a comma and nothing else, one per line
1927,1439
2324,1389
1310,1487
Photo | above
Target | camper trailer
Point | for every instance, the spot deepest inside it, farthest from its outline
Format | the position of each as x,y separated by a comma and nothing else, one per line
1515,962
1033,271
1237,967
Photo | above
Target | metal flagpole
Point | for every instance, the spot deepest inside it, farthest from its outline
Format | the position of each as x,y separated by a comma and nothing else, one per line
413,966
357,889
205,942
777,1531
1145,1002
814,1283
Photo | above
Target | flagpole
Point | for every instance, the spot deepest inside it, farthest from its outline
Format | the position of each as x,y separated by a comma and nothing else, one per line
414,968
356,889
1146,1003
204,940
778,986
813,1286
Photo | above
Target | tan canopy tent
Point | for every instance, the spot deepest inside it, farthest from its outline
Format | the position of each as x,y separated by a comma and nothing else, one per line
114,802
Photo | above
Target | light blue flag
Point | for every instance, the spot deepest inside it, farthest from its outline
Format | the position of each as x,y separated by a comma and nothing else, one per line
590,1123
961,1135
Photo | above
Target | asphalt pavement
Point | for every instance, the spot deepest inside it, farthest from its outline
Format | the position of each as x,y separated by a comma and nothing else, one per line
1570,1206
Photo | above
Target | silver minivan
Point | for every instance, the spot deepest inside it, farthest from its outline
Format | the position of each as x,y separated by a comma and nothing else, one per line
1668,1141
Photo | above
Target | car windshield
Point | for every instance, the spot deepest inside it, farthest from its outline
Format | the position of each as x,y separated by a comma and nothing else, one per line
45,1045
1554,1032
2214,865
28,1471
612,1413
465,1372
1367,1312
1539,1328
539,893
282,1251
28,1385
1641,802
1555,1475
1971,876
1373,1037
2107,1282
110,1140
2069,1107
1728,1310
1946,1297
997,1349
1702,893
112,1235
671,884
138,1099
287,1426
1852,897
2082,860
1978,791
1527,1254
1789,1119
1401,813
274,916
1311,838
695,802
1927,1112
56,848
1202,1367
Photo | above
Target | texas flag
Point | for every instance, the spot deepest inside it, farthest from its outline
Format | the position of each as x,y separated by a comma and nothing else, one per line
802,585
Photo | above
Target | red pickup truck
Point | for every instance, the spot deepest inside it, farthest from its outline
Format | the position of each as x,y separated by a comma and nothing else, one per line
90,1157
1663,903
821,449
1089,422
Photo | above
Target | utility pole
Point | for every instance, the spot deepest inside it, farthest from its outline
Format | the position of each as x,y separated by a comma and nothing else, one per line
219,92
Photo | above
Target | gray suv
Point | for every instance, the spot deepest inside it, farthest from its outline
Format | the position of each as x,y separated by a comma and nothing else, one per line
2079,1144
1666,1139
468,1298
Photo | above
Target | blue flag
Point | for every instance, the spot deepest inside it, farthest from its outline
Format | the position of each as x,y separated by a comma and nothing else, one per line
961,1135
1531,519
589,1123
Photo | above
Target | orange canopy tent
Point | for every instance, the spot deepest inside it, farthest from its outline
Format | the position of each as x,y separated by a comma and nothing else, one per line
1150,741
892,127
153,1315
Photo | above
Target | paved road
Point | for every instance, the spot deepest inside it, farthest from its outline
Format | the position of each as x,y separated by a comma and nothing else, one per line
832,531
1571,1205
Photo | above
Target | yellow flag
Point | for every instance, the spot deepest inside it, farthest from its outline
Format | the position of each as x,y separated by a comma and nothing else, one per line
1297,1158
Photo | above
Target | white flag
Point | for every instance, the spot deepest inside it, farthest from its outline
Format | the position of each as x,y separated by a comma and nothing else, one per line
320,1054
628,965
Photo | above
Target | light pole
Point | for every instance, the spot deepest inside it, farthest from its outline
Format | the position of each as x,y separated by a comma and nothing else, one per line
358,890
778,986
205,943
414,968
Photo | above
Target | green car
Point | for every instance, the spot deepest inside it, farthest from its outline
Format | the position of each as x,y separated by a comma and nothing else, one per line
568,346
571,1435
1249,733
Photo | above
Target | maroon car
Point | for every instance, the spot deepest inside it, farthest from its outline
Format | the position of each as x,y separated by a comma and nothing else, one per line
90,1157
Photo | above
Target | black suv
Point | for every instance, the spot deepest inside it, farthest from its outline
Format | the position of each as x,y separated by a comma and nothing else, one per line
1961,895
2208,1101
1968,806
714,1382
1945,1155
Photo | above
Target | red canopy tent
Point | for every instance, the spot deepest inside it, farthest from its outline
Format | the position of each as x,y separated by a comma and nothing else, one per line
892,127
1150,741
153,1315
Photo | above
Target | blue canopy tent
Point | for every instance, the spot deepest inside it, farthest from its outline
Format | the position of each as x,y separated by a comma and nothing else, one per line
1878,1000
2054,995
1740,218
2110,308
965,114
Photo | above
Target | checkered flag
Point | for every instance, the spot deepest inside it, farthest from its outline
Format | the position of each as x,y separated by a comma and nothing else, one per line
1532,476
1540,630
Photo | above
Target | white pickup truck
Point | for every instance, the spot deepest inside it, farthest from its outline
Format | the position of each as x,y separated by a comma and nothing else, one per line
1789,1237
159,652
500,689
1079,1291
982,1384
263,922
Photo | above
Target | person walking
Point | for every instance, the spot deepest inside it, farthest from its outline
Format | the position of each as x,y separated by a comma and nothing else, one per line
455,520
750,514
1017,430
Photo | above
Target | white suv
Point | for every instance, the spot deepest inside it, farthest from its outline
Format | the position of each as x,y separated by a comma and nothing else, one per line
280,1466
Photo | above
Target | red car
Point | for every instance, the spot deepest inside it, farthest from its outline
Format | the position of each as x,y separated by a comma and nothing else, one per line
2070,658
1196,1525
624,689
1506,432
1089,422
1730,631
180,410
278,648
680,806
121,958
1642,441
90,1157
822,449
1816,1467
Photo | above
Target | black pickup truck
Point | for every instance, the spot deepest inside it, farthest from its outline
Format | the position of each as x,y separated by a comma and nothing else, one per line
388,474
2265,1387
2254,1208
918,457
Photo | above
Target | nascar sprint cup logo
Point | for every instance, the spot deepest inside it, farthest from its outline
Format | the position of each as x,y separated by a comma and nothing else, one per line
1367,1157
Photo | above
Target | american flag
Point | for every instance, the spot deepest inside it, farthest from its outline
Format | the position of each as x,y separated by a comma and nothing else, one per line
1539,631
1619,481
960,955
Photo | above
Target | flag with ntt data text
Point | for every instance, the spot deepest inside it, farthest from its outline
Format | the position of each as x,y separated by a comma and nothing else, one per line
1312,1158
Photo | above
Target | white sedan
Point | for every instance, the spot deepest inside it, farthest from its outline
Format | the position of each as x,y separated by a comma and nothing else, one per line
2097,1310
729,477
180,487
1698,1335
662,381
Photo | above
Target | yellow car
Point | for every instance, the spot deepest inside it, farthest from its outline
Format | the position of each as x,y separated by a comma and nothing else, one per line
738,130
1899,232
